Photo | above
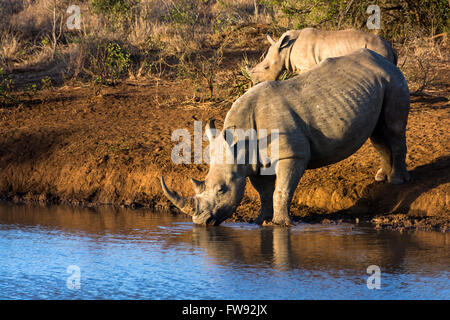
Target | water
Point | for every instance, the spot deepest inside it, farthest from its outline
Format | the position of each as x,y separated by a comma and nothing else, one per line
126,254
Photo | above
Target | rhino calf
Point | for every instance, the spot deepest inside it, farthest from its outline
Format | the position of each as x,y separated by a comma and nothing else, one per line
301,50
322,117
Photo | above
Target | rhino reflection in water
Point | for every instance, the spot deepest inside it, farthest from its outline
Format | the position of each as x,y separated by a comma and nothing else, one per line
323,116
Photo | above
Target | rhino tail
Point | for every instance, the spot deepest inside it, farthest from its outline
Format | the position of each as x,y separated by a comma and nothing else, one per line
389,51
395,55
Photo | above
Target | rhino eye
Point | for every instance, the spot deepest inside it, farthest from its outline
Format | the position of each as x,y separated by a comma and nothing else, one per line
222,189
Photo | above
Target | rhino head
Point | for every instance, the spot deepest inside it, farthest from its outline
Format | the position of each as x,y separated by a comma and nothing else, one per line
275,61
217,197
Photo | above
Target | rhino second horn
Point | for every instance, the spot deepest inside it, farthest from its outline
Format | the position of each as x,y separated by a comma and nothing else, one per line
185,205
197,185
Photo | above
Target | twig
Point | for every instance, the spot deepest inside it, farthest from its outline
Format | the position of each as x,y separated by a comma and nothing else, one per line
443,34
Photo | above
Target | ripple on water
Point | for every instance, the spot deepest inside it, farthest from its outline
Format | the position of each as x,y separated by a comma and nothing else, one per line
126,254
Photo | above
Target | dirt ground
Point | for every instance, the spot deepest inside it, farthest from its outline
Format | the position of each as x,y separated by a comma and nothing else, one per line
68,145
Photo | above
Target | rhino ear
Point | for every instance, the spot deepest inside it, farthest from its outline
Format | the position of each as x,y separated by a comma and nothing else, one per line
270,39
285,41
229,135
198,186
210,130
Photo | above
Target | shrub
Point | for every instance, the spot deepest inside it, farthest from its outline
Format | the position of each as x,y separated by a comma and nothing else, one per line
398,17
46,83
6,85
422,59
113,8
109,62
202,69
117,12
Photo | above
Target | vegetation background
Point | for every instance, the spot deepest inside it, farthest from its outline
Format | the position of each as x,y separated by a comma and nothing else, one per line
122,39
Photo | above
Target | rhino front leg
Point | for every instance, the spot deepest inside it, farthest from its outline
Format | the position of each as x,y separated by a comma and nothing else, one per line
288,172
265,185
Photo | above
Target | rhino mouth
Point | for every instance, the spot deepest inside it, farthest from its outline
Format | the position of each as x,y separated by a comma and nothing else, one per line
205,220
210,219
190,207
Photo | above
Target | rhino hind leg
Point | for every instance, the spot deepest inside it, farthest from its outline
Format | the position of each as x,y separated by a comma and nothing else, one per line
381,175
390,142
288,174
399,174
382,147
265,185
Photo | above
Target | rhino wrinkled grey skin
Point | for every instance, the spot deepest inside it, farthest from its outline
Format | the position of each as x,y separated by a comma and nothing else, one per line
301,50
323,116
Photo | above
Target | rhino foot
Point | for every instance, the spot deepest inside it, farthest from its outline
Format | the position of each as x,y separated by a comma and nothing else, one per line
399,178
283,221
381,175
261,220
396,178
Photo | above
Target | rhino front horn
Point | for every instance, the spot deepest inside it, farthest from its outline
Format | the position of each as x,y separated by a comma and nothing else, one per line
185,205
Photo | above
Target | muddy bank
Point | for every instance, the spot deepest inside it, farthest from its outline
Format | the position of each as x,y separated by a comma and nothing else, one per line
72,145
68,146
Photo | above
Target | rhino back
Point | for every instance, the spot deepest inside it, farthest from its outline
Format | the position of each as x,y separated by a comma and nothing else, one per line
313,46
326,113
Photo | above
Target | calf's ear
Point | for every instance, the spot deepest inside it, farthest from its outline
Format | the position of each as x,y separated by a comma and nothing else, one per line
270,39
285,41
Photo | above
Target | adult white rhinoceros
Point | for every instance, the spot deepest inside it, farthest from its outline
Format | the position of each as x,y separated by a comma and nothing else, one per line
322,117
301,50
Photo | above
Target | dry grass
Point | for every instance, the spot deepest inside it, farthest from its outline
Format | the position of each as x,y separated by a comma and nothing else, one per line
175,31
34,20
421,58
10,48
